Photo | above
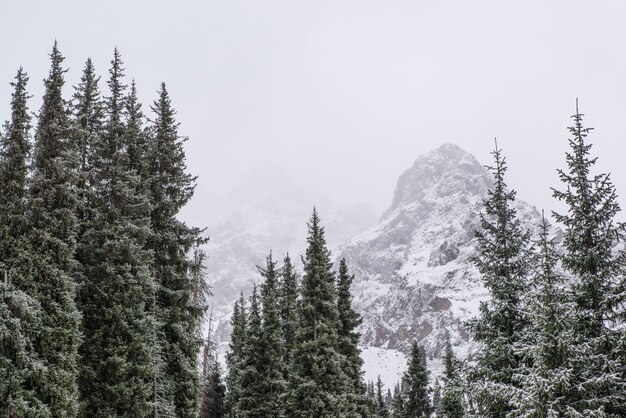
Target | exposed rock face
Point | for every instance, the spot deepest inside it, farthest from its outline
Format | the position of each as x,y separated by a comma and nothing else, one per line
414,278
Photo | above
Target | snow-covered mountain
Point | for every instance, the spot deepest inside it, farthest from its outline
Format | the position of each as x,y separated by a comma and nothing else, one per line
413,277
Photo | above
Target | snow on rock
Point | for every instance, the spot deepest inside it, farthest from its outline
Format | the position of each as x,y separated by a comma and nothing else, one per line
413,277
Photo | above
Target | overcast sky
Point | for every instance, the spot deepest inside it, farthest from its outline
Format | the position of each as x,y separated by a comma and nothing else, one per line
344,95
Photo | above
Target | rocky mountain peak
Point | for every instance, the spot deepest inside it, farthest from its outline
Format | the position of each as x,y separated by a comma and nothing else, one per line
445,171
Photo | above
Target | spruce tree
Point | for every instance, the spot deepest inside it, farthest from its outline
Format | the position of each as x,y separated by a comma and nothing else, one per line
503,263
451,404
213,389
15,151
381,406
117,322
416,397
545,385
235,357
52,227
349,320
288,302
271,348
19,313
171,187
318,382
251,383
591,233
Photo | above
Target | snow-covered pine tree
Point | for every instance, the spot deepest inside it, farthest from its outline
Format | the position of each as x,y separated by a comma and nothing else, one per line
503,262
288,302
171,187
436,394
381,406
116,354
271,348
213,389
451,404
416,397
349,320
317,381
50,263
251,383
19,313
546,384
15,151
236,357
591,234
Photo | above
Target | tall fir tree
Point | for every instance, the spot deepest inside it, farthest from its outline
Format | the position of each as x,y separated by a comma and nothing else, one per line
546,385
271,348
416,397
288,302
381,406
235,357
20,315
50,263
591,233
117,321
349,321
251,378
171,187
503,262
451,404
318,383
213,389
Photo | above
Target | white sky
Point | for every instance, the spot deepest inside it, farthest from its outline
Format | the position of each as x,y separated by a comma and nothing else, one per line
344,95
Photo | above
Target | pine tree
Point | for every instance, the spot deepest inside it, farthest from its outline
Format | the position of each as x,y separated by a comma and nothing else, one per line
288,302
545,385
381,406
14,157
397,402
591,233
503,264
213,389
50,262
416,397
251,383
451,405
170,189
235,357
271,348
117,321
436,395
318,382
19,313
349,320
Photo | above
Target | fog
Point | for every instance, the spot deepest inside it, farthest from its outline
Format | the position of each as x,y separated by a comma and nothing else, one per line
342,96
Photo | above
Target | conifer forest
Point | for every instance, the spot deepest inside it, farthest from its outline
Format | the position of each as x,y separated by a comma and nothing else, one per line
106,299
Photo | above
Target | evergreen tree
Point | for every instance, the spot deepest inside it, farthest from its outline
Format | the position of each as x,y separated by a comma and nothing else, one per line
416,397
49,263
318,382
503,263
251,383
271,348
397,403
213,389
117,321
19,313
381,406
545,386
436,395
591,233
451,405
170,189
288,302
235,357
14,158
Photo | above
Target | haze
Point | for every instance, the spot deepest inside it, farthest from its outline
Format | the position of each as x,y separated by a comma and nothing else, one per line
342,96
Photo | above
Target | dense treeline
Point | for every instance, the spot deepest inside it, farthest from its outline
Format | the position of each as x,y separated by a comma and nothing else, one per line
101,301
